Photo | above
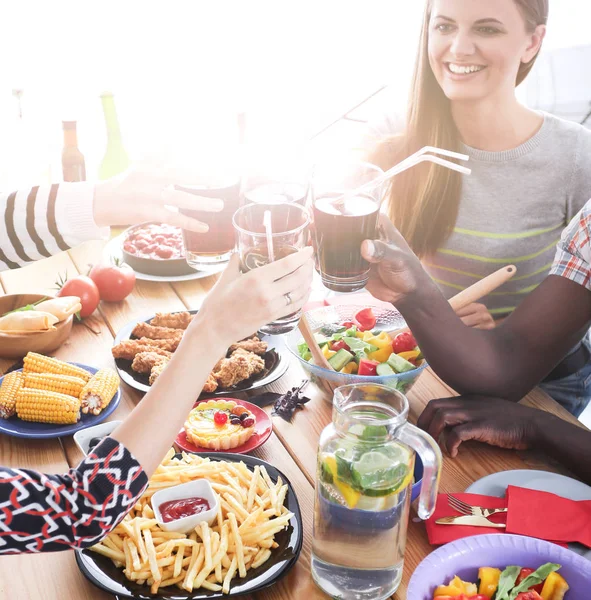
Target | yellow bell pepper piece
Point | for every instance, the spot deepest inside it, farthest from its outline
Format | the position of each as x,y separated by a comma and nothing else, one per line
350,368
327,353
366,336
555,587
361,334
455,587
411,354
381,355
489,581
384,344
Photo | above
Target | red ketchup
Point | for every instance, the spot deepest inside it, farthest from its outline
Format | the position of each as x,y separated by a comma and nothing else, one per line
185,507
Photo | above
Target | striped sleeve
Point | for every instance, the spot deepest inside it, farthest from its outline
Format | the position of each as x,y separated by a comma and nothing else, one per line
45,220
573,254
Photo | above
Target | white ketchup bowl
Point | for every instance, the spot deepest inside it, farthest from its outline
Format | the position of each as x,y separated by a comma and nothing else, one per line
200,488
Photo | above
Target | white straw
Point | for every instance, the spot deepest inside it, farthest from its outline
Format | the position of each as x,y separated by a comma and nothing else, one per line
269,233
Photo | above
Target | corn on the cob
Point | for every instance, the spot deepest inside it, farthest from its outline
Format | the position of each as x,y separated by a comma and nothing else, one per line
11,384
99,391
37,363
64,384
47,407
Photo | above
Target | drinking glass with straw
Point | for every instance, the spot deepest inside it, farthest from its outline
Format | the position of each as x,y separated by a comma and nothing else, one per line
346,200
266,233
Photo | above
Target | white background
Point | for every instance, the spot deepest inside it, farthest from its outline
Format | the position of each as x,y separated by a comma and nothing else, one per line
180,70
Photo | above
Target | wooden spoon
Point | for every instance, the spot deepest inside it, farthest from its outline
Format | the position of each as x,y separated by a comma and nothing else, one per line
308,335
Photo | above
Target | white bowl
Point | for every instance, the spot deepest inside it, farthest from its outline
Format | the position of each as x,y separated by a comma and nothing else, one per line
200,488
83,437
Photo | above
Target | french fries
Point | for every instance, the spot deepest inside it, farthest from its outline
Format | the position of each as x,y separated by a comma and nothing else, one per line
242,537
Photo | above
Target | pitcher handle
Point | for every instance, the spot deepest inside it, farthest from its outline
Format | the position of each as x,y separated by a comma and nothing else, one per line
426,447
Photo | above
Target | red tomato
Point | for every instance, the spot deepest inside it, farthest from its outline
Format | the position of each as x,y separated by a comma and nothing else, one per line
347,324
532,595
367,367
340,345
85,288
526,573
404,342
114,282
365,319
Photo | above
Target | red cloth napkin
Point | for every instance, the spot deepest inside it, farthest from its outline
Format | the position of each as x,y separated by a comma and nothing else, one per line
548,516
442,534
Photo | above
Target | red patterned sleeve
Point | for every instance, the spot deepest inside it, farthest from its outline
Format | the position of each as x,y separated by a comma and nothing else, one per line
48,513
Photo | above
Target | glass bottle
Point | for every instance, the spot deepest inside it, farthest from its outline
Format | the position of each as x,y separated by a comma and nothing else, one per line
73,165
364,485
115,160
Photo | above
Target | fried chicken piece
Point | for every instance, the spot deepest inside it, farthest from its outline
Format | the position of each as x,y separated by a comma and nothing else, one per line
129,349
155,333
252,344
239,366
145,361
157,370
180,320
170,345
211,385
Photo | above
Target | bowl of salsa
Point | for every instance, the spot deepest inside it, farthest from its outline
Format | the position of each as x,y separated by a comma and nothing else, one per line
155,249
183,507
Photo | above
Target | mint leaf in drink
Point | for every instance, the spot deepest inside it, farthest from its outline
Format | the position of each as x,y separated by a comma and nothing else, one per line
507,582
534,579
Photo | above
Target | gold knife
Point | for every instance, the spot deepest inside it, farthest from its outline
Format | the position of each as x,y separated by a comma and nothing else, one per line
470,520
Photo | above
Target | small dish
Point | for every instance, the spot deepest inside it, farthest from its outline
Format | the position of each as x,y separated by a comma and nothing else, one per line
262,431
200,488
83,437
43,342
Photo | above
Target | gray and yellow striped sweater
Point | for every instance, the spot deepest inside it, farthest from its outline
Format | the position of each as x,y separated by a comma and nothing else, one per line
513,209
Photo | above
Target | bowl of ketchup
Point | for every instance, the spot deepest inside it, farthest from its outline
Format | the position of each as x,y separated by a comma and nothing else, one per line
183,507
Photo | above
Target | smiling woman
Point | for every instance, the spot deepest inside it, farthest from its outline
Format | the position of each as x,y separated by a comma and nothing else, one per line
529,176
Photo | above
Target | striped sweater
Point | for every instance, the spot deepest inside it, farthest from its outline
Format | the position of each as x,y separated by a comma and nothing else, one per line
513,209
38,222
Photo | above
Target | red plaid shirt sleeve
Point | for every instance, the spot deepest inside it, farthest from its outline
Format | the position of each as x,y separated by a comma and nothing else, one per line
573,254
47,513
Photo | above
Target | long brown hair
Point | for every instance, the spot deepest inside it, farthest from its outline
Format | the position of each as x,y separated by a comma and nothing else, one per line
423,202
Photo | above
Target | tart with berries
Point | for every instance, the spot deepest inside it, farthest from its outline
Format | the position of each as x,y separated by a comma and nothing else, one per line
219,425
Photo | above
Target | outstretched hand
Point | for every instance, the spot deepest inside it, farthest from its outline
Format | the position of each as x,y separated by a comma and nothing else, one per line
492,421
145,192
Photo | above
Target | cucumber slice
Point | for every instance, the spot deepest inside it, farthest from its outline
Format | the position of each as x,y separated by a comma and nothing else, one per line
385,369
340,359
399,364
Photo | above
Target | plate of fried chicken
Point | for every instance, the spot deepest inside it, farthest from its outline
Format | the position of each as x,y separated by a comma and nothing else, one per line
143,348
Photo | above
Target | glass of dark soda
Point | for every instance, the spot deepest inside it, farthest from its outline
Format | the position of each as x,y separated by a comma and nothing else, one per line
342,219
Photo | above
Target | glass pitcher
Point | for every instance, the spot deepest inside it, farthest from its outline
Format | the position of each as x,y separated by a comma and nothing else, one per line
364,484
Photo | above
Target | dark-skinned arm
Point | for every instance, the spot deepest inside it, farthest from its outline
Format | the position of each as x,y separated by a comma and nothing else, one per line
507,361
507,425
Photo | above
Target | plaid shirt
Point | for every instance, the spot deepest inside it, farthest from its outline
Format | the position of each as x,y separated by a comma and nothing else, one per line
573,253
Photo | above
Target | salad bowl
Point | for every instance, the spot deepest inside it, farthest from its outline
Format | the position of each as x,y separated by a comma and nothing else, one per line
387,320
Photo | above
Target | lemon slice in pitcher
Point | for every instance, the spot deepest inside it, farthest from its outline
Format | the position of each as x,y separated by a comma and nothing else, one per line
380,474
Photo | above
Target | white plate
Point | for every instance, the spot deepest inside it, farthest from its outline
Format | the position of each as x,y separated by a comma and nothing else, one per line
83,437
542,481
113,250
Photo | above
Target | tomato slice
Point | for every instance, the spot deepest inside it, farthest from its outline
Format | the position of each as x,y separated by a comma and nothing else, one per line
366,320
531,595
340,345
367,367
347,324
404,342
526,573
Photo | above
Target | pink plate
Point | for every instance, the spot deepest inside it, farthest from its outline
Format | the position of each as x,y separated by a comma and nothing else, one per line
262,431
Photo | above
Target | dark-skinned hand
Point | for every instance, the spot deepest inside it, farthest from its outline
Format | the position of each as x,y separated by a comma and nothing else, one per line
492,421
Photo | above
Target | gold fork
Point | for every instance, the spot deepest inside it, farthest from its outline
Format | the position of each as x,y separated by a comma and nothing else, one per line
467,509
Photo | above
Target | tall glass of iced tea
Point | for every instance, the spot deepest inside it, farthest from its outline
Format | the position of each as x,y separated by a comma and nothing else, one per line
342,219
289,223
209,251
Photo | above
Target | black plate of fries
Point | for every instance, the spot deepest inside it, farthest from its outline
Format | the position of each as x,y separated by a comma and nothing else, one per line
275,359
263,565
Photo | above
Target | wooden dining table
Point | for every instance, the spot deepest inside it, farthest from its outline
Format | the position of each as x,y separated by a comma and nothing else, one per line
291,448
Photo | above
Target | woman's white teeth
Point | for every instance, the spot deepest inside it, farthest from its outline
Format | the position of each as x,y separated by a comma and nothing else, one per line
464,69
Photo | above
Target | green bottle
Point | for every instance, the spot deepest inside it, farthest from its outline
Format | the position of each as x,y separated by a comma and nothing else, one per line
115,160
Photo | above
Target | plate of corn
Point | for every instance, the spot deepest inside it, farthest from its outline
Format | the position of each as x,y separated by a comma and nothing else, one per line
51,398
